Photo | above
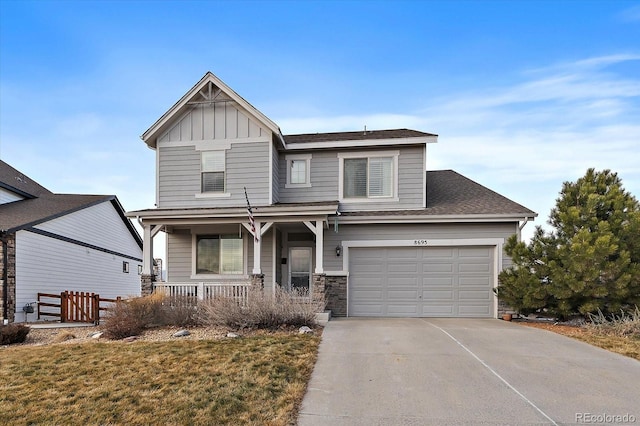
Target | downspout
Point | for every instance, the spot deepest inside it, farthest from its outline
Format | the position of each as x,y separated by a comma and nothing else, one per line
5,284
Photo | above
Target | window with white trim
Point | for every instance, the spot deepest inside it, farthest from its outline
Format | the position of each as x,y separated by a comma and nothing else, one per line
219,255
298,170
212,171
368,176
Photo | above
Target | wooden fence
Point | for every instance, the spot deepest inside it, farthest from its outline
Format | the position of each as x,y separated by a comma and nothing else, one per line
73,306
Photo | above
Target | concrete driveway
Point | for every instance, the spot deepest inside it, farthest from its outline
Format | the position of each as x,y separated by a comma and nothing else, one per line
465,371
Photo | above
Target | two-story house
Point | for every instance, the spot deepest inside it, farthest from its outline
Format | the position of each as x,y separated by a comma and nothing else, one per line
355,216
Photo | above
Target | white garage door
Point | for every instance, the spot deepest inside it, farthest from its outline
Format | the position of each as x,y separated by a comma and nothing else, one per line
421,281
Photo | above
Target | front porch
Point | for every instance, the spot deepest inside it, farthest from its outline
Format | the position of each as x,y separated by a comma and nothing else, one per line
218,254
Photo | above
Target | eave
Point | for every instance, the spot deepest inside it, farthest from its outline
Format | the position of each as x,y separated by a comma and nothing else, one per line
364,143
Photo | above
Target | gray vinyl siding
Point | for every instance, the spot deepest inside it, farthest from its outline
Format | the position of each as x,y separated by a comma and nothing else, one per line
7,196
246,165
325,181
275,165
409,232
180,252
323,176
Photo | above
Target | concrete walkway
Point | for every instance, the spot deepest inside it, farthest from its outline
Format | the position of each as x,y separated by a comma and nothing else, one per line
465,372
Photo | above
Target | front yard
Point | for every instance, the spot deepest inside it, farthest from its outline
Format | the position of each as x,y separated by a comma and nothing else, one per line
625,345
255,380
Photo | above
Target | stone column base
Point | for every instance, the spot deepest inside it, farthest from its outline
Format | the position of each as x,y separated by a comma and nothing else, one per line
146,284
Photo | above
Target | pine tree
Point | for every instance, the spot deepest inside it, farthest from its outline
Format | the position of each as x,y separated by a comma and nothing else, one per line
591,258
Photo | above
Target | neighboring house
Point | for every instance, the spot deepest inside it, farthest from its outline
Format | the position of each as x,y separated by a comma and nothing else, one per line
353,216
51,243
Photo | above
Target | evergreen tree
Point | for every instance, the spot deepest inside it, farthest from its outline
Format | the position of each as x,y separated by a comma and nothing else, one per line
591,258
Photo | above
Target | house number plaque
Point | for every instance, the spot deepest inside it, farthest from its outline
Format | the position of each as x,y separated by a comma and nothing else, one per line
420,242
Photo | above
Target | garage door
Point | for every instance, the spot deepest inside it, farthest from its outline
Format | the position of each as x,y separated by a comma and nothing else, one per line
421,281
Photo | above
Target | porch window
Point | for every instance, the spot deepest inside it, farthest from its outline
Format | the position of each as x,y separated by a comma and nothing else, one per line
219,255
368,177
212,171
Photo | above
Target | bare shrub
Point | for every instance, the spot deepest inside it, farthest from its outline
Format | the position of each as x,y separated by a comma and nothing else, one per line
13,333
263,310
130,317
627,324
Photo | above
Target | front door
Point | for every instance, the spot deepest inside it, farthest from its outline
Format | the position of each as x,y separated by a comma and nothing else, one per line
300,269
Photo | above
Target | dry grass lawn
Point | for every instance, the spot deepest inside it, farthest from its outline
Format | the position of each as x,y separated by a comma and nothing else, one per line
257,380
628,346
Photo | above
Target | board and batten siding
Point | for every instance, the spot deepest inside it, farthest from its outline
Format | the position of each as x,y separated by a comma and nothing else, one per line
49,265
7,196
410,232
99,225
325,182
214,121
276,173
246,165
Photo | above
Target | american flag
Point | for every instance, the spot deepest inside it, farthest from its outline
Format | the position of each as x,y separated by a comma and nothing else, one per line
252,222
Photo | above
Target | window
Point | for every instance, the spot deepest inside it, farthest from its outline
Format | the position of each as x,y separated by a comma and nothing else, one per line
298,170
369,177
219,254
212,171
125,267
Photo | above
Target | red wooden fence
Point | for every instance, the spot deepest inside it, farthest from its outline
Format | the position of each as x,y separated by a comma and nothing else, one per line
73,306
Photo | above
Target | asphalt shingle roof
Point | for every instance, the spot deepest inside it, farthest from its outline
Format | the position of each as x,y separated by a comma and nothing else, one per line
355,136
12,179
450,193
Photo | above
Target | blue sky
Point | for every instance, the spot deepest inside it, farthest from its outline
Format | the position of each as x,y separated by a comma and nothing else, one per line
523,95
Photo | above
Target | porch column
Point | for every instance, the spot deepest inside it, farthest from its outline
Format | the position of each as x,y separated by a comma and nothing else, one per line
257,249
147,251
319,247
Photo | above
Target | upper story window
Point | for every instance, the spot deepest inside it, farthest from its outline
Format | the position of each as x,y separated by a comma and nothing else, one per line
298,170
212,171
369,175
219,255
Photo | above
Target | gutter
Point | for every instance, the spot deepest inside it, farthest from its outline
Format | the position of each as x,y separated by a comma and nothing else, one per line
5,284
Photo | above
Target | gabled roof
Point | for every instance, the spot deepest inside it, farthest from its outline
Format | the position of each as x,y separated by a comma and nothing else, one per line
14,181
163,123
42,205
449,194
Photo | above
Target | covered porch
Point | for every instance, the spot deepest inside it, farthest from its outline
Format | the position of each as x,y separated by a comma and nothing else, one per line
217,252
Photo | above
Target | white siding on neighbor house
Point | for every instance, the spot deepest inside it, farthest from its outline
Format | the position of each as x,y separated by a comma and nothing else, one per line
215,121
49,265
99,225
246,165
410,232
7,196
325,181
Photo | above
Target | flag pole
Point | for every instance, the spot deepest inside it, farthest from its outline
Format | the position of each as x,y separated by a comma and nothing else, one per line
252,222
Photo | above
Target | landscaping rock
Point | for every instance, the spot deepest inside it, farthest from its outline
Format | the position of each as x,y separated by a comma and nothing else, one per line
305,330
231,335
181,333
96,334
130,339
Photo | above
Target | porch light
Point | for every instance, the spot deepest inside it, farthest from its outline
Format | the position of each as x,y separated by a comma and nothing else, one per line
338,250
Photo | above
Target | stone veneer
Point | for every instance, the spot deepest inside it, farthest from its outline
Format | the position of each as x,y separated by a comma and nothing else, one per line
336,291
319,284
257,280
146,284
11,277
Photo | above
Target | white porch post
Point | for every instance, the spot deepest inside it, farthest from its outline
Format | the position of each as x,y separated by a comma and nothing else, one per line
319,247
257,248
147,251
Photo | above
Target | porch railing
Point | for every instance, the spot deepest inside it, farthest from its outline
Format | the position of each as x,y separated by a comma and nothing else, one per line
236,290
